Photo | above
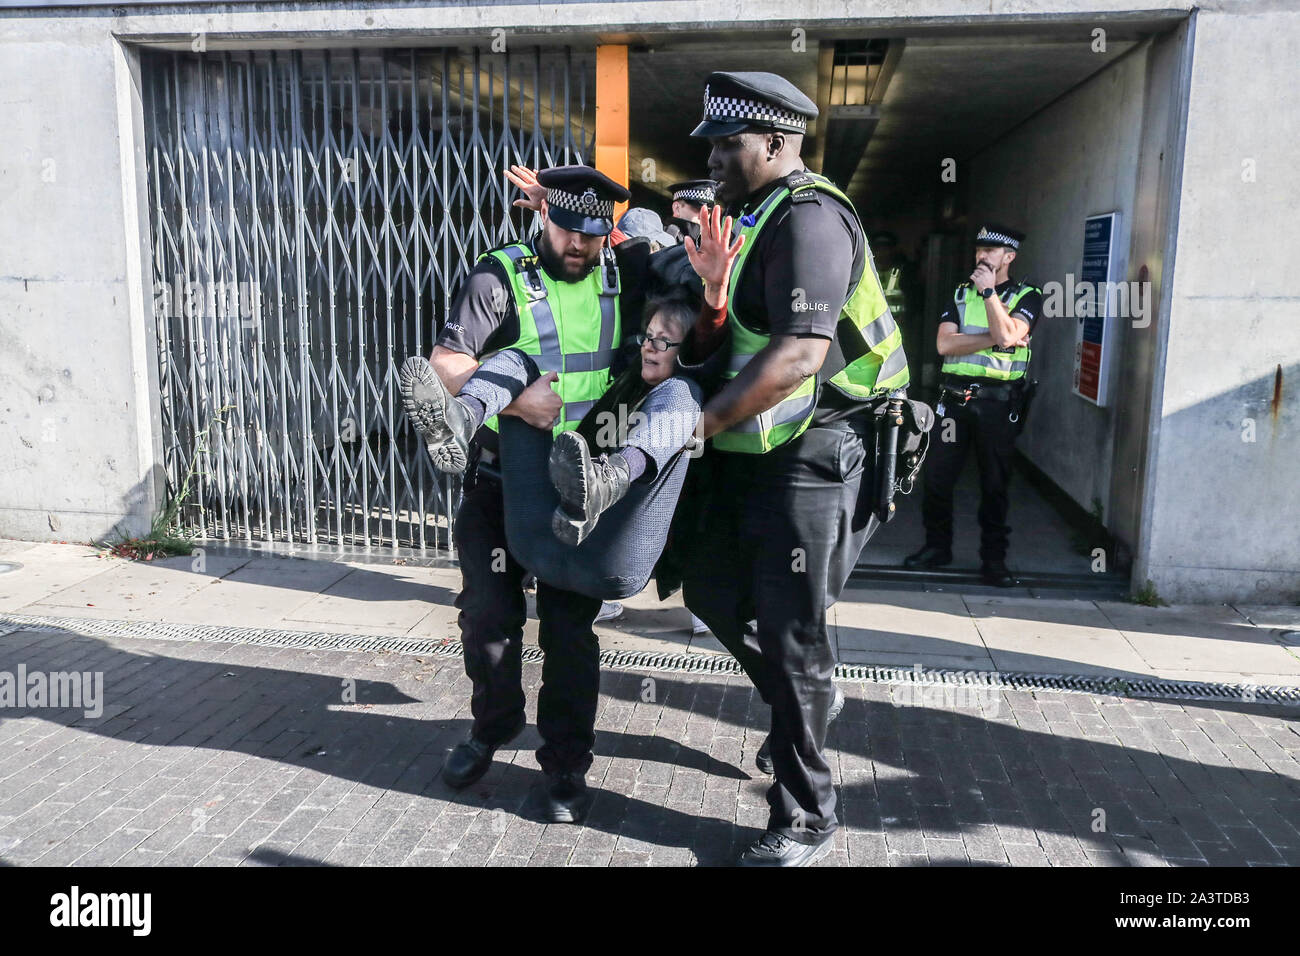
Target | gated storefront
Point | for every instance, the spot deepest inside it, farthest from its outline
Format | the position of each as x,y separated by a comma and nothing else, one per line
311,216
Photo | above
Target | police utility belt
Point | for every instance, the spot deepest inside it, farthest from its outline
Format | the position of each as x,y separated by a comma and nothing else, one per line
955,394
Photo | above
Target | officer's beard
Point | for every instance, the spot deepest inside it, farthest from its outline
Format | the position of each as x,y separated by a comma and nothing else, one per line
560,265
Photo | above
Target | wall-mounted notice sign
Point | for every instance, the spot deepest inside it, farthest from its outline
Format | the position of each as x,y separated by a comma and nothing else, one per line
1095,325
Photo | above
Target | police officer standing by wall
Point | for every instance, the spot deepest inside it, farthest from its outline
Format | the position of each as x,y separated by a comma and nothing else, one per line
556,298
812,342
984,340
689,198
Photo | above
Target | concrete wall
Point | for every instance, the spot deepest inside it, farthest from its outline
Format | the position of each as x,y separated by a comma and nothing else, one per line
77,440
1077,158
1159,169
1223,513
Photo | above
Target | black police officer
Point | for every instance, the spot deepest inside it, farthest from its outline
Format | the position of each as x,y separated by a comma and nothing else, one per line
811,342
577,205
984,340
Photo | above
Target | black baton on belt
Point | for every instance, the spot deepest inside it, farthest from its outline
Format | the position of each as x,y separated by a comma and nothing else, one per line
887,458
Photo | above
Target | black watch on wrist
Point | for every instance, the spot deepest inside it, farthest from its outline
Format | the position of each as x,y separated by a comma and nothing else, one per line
985,293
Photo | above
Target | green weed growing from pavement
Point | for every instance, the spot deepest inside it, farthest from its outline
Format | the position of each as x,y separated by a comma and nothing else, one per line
1148,596
166,537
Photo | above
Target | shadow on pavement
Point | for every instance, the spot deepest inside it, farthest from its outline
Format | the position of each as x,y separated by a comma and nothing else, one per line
915,772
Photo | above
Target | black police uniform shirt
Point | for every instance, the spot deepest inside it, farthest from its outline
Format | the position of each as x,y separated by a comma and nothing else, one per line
803,246
1029,308
477,327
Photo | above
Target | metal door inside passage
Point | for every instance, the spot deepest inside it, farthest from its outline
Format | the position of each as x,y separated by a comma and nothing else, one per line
312,214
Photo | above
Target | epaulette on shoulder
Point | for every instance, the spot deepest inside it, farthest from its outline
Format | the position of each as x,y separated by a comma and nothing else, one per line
503,247
802,187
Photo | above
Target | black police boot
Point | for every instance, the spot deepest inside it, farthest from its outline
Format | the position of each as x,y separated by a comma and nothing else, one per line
777,849
471,759
763,759
560,797
997,574
444,423
587,486
928,557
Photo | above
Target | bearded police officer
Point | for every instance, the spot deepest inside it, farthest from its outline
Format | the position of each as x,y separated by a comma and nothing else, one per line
555,298
689,198
984,340
812,343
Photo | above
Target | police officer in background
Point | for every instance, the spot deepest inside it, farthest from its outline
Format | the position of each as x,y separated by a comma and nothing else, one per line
556,295
984,340
689,198
812,343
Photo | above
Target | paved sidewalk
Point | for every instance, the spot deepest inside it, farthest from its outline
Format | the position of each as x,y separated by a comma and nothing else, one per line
224,754
970,629
227,753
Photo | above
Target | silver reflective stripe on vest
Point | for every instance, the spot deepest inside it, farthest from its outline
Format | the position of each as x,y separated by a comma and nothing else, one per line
790,410
587,361
576,411
881,328
608,299
551,359
782,413
736,362
894,363
988,361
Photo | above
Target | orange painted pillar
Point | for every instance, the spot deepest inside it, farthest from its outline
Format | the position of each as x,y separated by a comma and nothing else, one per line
612,115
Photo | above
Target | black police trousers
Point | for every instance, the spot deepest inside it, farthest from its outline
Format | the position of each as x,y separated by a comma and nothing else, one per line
778,535
985,424
492,615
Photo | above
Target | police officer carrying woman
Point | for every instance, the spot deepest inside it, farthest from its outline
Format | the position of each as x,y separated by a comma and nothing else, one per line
561,300
984,340
812,344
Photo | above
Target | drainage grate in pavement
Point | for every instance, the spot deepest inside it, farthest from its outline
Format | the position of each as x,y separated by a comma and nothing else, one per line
1132,687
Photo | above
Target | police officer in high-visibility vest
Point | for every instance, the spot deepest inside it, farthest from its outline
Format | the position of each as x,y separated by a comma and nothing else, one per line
556,299
984,340
812,345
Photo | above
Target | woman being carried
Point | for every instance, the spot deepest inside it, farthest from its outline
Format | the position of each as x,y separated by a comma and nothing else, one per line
627,457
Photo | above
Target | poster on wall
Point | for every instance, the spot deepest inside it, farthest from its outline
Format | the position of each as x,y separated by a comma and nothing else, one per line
1094,323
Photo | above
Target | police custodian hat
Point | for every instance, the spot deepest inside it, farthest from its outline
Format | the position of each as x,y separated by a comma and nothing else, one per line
696,191
993,234
734,102
581,199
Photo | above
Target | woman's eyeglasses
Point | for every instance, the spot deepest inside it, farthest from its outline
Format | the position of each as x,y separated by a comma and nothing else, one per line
658,344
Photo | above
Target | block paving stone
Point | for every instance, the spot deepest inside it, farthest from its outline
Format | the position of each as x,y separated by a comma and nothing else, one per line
229,754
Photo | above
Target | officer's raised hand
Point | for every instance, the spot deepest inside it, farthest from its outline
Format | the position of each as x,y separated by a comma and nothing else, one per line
712,259
984,277
538,404
526,180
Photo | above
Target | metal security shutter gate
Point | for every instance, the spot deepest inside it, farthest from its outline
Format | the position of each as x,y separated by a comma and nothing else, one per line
312,214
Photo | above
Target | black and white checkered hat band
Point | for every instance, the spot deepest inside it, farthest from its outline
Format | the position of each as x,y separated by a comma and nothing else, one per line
586,203
988,238
732,109
697,194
